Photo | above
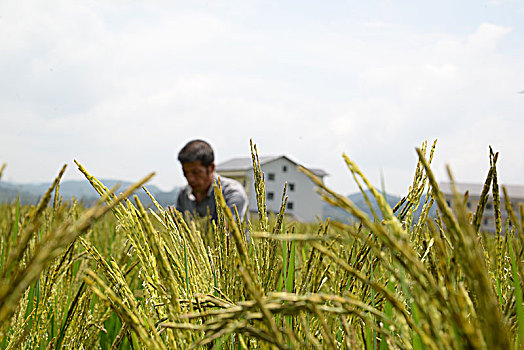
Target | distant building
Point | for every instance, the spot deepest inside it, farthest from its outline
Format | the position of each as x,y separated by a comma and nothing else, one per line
515,193
303,202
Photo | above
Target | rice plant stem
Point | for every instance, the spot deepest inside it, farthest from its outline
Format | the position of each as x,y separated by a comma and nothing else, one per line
379,288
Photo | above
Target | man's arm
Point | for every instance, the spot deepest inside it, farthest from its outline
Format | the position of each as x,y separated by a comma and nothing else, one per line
235,195
179,201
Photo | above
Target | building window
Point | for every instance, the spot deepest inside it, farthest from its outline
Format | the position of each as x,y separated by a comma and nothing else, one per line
271,176
486,221
270,196
291,187
284,168
468,204
489,206
448,203
290,205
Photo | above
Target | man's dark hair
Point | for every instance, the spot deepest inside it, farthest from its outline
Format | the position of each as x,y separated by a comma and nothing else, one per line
197,150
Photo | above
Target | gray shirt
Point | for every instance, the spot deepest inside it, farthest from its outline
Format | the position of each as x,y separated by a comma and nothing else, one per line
232,190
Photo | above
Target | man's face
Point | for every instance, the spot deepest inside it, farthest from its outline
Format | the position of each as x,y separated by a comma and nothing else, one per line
198,176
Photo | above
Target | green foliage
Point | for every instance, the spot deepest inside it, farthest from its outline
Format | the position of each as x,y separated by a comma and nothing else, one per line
73,277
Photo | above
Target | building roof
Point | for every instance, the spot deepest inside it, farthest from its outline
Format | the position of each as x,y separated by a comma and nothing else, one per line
246,163
475,189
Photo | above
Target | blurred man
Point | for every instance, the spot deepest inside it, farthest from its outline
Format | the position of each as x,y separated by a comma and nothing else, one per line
197,159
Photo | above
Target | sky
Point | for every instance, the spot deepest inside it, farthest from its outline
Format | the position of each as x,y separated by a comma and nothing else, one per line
121,86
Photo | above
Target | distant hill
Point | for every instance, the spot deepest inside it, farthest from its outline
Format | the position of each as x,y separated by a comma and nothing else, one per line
339,214
80,190
86,194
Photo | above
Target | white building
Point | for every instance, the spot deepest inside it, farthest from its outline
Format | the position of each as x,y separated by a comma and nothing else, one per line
303,202
515,193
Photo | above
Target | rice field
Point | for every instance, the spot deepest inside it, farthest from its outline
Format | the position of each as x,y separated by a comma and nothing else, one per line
118,276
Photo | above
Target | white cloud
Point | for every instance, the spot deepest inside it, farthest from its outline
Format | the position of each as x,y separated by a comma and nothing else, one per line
487,36
122,87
